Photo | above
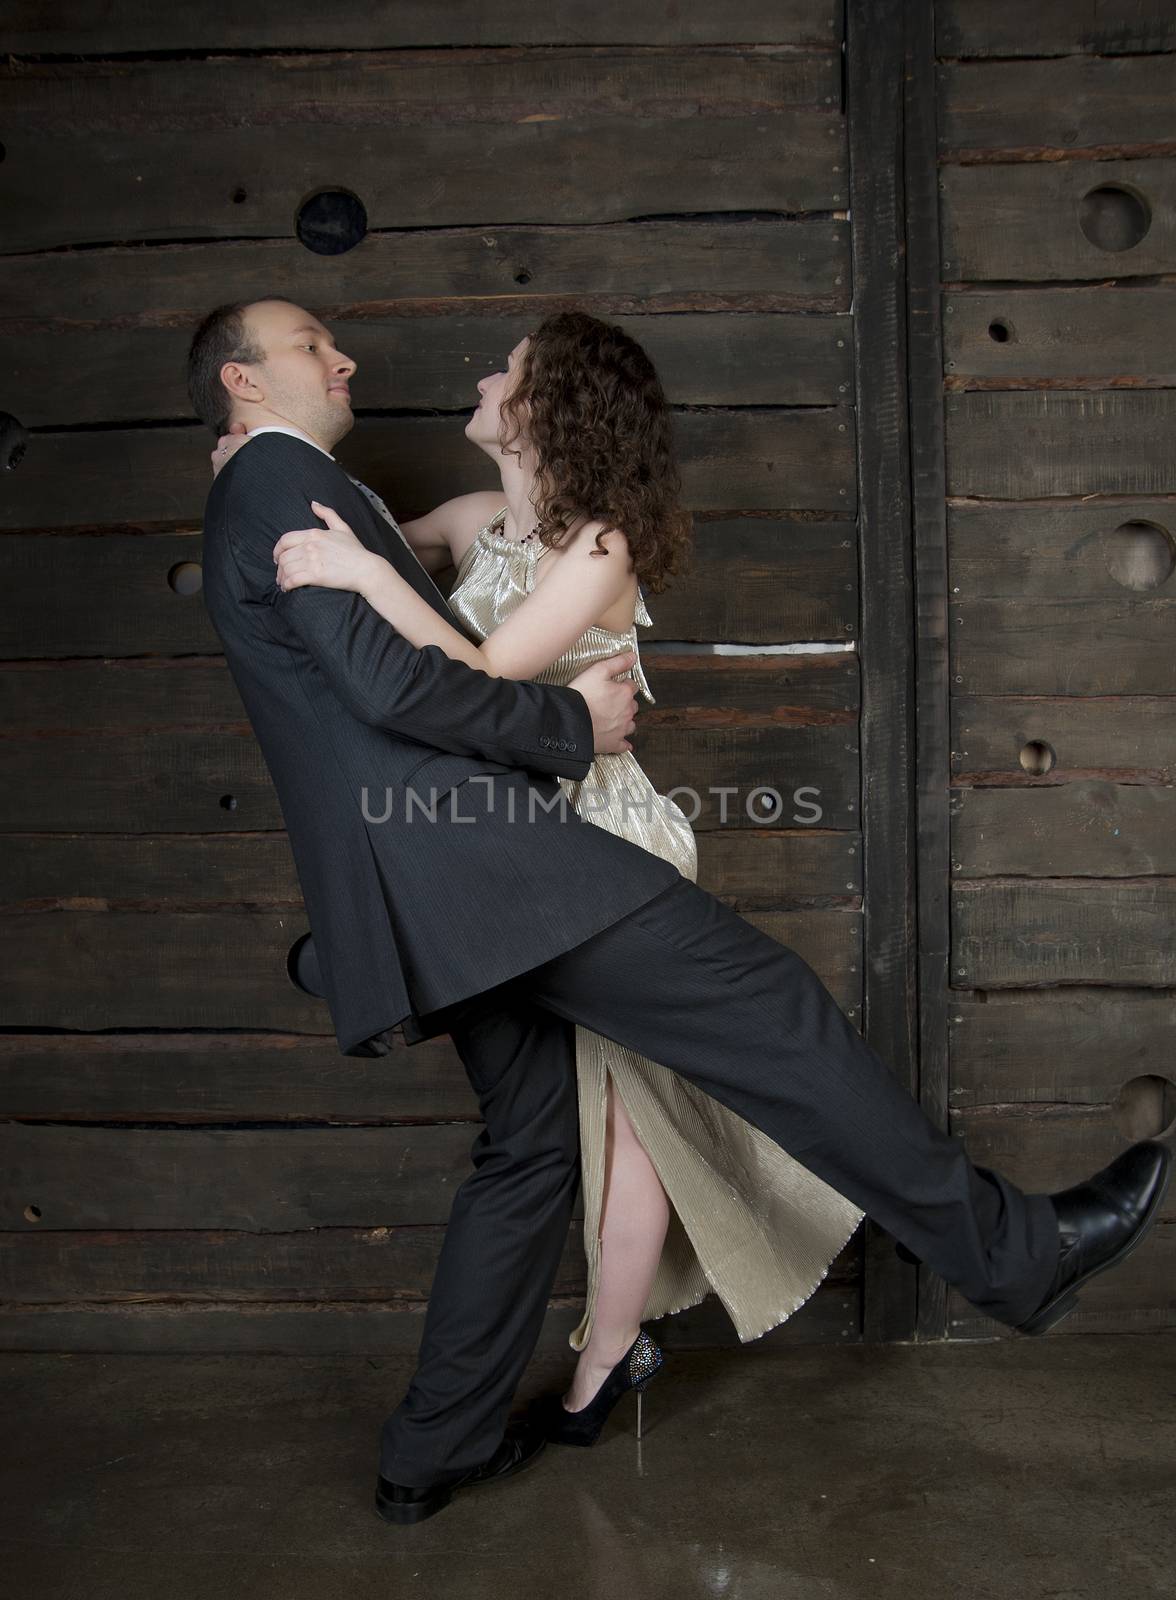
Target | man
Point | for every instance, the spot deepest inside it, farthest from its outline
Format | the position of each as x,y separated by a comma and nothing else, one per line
507,932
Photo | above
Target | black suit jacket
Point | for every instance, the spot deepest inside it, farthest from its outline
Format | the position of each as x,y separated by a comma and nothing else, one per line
421,910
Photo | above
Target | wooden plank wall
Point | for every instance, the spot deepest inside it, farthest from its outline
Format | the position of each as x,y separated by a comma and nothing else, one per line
188,1161
1057,182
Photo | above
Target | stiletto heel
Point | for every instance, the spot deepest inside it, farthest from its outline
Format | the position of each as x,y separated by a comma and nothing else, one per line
636,1369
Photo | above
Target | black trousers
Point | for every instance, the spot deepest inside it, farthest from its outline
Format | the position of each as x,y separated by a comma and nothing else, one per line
689,983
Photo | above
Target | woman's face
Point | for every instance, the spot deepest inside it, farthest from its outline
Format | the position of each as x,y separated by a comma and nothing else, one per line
485,427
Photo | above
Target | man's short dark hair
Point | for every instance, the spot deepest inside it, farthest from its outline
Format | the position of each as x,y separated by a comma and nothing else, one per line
222,336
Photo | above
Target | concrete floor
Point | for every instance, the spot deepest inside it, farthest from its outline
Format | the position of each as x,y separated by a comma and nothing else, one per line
1012,1468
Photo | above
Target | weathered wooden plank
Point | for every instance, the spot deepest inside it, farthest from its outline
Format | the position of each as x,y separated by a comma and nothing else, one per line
749,868
74,27
416,363
43,698
1096,336
1066,1045
1081,549
1026,444
1052,27
751,460
752,580
52,580
389,88
1023,220
762,580
773,264
48,699
1123,738
228,1077
1137,1296
1108,646
276,1180
252,181
929,571
364,1265
1095,106
125,969
764,870
1015,933
876,63
1087,829
202,1266
345,1328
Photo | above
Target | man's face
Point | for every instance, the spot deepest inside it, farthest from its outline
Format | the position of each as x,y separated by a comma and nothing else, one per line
484,427
303,379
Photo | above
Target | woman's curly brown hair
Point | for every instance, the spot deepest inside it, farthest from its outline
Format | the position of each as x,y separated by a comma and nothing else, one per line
600,427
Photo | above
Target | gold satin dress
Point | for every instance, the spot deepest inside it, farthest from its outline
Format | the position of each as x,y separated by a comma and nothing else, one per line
747,1221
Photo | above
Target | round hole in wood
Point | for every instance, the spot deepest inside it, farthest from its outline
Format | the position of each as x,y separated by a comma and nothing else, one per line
186,577
1139,554
522,276
1037,757
14,439
763,804
228,802
332,222
32,1213
999,331
302,967
240,196
1114,217
1146,1107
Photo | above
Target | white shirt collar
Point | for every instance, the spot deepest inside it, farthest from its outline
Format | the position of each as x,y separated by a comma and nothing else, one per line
296,433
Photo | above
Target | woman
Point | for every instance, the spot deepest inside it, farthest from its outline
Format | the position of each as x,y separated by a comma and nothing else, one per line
681,1195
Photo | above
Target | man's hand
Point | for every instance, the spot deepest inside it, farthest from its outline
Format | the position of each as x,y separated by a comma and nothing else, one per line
611,704
227,446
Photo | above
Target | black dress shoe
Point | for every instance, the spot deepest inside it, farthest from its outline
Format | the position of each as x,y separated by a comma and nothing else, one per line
401,1502
1100,1222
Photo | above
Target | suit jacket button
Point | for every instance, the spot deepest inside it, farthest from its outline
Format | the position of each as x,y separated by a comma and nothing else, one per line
572,746
544,740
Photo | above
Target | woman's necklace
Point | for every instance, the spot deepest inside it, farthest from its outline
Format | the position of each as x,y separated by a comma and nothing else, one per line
527,537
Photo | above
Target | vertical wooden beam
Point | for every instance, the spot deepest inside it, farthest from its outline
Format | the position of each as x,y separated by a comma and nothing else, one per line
929,539
874,67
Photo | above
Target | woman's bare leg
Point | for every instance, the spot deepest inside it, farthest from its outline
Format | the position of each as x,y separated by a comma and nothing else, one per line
634,1216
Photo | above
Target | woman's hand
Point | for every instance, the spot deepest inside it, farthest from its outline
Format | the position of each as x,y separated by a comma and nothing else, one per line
227,446
331,557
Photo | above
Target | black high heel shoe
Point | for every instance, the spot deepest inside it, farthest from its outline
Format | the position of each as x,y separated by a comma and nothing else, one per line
636,1369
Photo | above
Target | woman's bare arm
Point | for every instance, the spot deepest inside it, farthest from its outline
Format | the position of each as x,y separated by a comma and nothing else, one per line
441,537
579,589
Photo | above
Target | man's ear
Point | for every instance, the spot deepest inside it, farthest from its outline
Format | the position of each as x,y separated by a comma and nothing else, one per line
239,382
